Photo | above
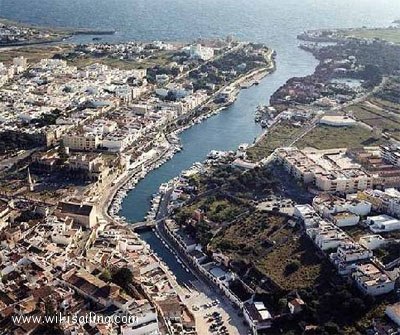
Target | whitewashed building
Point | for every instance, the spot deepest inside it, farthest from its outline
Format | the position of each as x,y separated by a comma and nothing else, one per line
372,281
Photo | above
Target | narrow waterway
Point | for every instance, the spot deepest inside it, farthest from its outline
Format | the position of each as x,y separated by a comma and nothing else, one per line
274,22
183,276
224,131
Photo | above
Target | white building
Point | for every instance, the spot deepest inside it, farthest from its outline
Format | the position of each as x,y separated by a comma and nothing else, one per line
20,64
328,204
84,214
329,170
63,232
383,223
348,256
387,201
391,153
329,237
139,73
307,215
198,51
393,312
84,142
372,242
140,109
345,219
372,281
257,316
228,94
337,121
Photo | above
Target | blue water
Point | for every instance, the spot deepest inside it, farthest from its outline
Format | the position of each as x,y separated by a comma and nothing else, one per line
182,276
273,22
225,131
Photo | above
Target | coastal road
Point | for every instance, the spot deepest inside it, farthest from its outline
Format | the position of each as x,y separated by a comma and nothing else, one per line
108,196
163,207
306,130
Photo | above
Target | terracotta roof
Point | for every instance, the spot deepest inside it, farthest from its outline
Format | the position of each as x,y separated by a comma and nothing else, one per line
74,208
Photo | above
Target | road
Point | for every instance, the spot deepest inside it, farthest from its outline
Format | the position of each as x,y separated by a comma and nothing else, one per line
206,292
309,127
107,196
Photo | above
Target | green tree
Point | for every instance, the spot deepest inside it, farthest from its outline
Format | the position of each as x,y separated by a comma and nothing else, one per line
106,275
122,277
62,153
292,267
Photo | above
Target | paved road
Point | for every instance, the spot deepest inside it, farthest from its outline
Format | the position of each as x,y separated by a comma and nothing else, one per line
107,196
209,292
315,121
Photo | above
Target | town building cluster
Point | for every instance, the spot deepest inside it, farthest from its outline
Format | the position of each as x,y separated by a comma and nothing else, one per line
74,105
342,170
325,223
11,34
84,131
351,258
66,259
71,96
356,190
126,51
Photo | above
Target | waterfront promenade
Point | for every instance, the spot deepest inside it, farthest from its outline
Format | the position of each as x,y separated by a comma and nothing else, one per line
109,194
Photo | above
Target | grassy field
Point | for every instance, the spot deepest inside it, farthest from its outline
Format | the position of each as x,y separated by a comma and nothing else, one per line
384,104
325,137
379,114
272,246
292,249
249,238
321,137
32,54
386,34
160,59
35,53
276,137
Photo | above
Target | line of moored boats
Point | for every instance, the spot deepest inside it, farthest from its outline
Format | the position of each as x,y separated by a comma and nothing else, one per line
174,140
264,115
120,195
178,259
